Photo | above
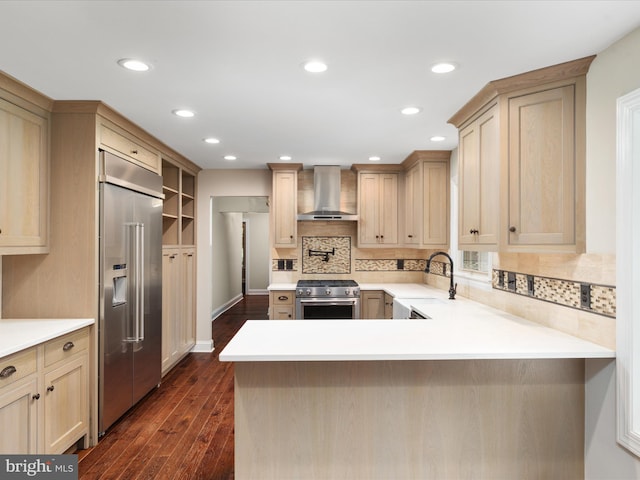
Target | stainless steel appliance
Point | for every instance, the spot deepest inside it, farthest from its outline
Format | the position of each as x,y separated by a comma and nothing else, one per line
327,299
130,314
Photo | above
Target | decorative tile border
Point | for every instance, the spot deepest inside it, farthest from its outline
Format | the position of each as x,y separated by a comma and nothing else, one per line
390,265
600,299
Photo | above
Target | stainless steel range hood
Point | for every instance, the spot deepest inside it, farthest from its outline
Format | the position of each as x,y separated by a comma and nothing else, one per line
326,195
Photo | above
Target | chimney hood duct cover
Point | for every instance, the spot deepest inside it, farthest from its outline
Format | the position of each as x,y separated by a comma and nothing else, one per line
326,194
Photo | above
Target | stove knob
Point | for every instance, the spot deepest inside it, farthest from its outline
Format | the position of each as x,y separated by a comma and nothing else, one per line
300,292
328,291
308,291
347,292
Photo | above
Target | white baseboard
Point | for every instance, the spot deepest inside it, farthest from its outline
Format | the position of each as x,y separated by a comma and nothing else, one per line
258,292
220,310
203,347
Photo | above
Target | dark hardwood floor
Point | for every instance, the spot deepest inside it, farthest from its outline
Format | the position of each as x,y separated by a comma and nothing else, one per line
183,429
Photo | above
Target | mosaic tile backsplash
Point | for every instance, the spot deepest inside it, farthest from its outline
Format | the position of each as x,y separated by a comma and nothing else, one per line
326,255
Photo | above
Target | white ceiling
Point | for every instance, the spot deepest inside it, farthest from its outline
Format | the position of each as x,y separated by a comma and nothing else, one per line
237,64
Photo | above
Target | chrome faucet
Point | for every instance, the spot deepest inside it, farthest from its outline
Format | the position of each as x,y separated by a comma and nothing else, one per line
452,288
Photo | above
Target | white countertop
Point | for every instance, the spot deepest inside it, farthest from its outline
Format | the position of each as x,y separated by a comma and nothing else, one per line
458,329
16,335
397,290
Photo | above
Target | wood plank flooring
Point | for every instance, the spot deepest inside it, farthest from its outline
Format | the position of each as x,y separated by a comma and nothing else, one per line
184,429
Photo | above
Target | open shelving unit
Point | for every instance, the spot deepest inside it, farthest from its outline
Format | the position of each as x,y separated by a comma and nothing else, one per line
178,210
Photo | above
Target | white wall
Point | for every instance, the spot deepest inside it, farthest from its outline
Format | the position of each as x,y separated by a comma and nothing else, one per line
212,183
614,72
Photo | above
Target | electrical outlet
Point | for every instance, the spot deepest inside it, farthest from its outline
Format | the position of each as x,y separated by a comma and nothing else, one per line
500,278
585,296
400,265
511,281
280,264
530,285
289,264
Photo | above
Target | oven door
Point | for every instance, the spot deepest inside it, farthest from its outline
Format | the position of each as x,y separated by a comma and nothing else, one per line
327,308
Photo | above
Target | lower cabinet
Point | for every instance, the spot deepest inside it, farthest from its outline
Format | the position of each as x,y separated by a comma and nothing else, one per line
178,305
44,396
372,304
281,305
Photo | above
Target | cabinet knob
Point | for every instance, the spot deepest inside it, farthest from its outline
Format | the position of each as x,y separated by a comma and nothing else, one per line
474,231
410,236
134,152
291,237
50,388
8,371
36,396
512,229
67,346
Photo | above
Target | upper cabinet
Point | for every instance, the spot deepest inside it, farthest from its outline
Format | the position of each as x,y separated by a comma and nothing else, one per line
377,205
426,199
24,170
522,162
178,208
284,204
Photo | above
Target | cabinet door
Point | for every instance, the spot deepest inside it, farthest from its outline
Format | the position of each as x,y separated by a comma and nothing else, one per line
66,404
388,201
542,168
19,415
479,182
435,222
285,210
388,306
372,304
369,209
170,305
188,292
412,206
23,180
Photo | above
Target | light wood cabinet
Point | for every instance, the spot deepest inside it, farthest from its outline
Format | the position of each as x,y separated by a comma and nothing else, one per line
426,199
531,129
44,403
24,176
284,204
478,183
377,209
281,304
178,305
122,143
179,206
372,304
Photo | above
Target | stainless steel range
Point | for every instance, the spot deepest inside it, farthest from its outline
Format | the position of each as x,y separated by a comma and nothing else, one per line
327,299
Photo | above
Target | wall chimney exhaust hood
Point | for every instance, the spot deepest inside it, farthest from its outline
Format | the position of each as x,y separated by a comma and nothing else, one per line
326,195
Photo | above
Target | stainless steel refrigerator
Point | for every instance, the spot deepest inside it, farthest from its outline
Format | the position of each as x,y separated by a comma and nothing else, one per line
130,316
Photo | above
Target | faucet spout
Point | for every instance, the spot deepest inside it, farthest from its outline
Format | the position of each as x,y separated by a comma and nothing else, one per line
452,288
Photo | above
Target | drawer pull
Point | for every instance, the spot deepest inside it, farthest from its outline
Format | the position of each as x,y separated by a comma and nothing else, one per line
67,346
36,396
8,371
282,298
50,388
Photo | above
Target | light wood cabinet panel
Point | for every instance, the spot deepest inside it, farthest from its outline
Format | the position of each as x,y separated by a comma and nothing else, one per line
412,205
372,304
66,415
285,208
281,304
377,209
188,275
542,169
479,183
19,415
530,128
24,180
435,221
121,143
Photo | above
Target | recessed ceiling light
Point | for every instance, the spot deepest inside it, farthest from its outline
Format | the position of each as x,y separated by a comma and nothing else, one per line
410,110
443,67
184,113
374,159
133,64
230,157
315,66
437,138
285,157
211,140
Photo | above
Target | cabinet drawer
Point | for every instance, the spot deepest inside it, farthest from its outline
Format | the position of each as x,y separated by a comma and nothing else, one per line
17,366
129,148
65,346
283,297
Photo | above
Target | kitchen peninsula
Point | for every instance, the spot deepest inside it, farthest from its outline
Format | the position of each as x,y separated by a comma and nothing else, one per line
472,392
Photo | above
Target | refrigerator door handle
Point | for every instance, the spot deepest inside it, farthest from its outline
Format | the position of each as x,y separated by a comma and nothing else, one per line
137,261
